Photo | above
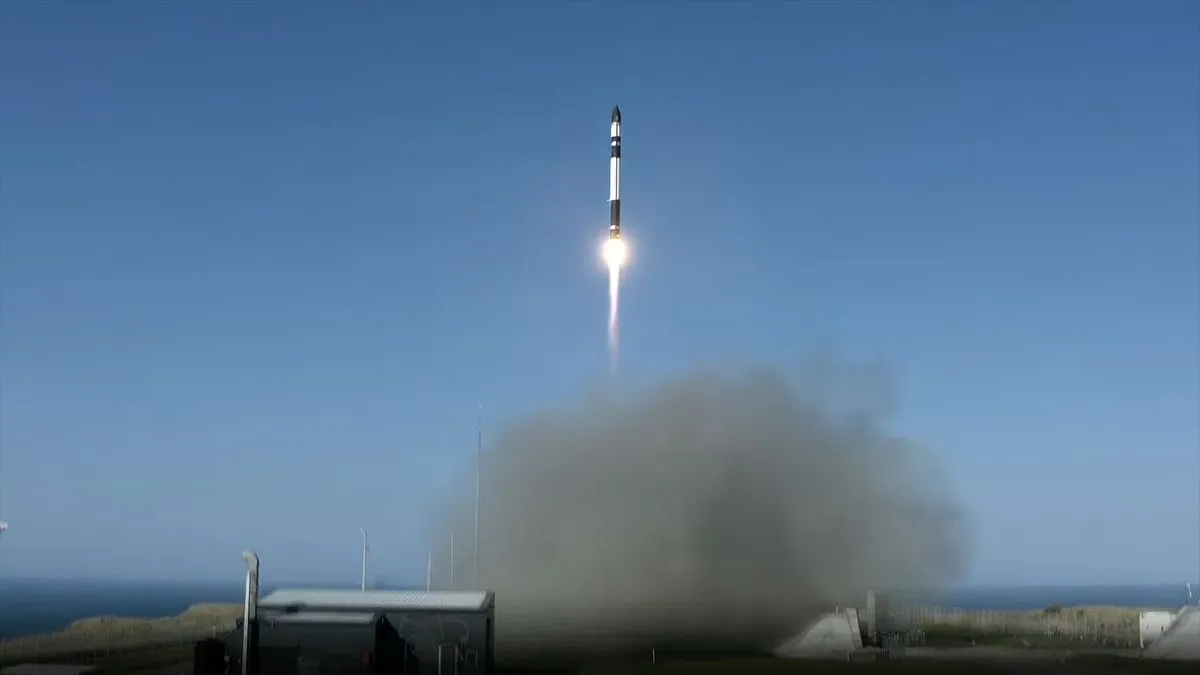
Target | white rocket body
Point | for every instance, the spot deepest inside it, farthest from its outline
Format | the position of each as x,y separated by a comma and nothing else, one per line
614,176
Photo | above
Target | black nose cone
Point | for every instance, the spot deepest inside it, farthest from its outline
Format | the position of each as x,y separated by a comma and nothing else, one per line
616,117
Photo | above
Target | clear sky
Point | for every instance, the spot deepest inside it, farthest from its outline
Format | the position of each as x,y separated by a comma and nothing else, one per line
267,258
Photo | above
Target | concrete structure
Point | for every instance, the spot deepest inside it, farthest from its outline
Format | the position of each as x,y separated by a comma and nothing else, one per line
46,669
870,612
444,631
877,616
835,635
1181,640
1152,624
857,623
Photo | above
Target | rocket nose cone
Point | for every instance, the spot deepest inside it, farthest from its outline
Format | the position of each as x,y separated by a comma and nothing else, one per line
616,116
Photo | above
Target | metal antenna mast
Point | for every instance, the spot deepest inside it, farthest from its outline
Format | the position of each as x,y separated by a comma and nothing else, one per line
478,472
429,568
366,549
3,524
451,587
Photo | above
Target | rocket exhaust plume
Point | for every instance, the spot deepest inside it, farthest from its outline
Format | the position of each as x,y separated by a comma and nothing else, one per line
614,256
714,512
614,311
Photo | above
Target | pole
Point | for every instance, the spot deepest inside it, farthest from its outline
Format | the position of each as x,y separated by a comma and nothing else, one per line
429,568
250,609
478,476
366,548
451,559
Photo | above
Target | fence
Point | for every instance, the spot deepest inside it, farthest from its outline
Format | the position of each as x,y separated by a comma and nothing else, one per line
97,639
1092,626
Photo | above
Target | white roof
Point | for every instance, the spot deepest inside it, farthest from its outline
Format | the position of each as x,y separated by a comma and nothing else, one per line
387,601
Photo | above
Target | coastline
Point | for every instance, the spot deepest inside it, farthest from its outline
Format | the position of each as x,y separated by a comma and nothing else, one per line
1041,617
1098,627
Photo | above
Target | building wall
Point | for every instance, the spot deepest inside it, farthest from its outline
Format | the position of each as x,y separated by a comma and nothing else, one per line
334,645
460,638
320,638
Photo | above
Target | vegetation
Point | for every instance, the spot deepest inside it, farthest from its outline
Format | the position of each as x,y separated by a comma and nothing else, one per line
918,666
1054,626
143,659
101,639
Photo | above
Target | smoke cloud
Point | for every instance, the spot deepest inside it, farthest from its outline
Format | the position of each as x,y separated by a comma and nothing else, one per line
715,510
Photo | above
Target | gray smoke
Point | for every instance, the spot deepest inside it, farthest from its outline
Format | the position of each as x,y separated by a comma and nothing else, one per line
714,510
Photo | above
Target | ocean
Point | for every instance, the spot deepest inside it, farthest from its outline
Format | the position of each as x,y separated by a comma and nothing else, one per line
31,606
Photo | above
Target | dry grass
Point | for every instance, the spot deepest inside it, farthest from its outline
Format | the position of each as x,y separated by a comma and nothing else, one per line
1104,626
167,660
1078,666
208,612
1081,665
94,639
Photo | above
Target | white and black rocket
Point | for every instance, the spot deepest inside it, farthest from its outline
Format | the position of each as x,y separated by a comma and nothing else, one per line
614,177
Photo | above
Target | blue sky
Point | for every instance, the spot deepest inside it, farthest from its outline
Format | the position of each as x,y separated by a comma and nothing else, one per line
305,242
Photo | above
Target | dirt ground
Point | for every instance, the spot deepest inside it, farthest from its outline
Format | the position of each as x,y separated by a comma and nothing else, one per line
978,660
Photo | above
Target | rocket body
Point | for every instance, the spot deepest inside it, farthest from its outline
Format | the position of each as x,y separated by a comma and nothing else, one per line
614,176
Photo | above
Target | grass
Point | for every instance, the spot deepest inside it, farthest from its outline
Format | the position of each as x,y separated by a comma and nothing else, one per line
1054,626
122,660
101,640
144,659
771,666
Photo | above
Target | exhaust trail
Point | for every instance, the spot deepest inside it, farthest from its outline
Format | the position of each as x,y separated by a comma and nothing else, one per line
614,312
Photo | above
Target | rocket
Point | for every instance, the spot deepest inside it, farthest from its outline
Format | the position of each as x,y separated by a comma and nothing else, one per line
614,177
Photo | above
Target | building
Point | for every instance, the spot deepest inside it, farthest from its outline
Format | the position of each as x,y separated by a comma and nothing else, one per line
442,632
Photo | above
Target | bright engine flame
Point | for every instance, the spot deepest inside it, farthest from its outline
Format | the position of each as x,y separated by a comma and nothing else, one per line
614,253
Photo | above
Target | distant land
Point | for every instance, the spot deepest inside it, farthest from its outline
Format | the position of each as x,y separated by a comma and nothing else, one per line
32,606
